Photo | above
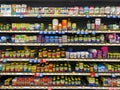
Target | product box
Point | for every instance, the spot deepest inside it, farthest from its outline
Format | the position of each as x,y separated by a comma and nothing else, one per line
5,10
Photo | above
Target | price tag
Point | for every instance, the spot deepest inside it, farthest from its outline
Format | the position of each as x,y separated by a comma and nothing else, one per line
63,32
59,45
86,32
40,32
108,16
30,60
115,88
4,60
113,75
40,75
114,16
21,16
54,32
45,32
36,61
93,32
96,75
49,32
39,16
49,88
42,61
92,74
36,74
81,32
110,88
87,16
77,32
59,32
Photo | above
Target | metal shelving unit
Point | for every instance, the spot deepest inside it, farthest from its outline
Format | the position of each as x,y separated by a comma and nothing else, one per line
66,3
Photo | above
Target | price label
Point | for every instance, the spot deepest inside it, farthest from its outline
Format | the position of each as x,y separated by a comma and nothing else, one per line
40,32
4,60
30,60
36,74
59,45
63,32
82,32
49,88
59,32
21,16
92,74
115,88
87,16
96,75
49,32
110,88
113,75
86,32
93,32
40,75
45,32
108,16
42,61
114,16
77,32
39,16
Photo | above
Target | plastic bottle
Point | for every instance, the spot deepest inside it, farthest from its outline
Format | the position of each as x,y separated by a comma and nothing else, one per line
88,25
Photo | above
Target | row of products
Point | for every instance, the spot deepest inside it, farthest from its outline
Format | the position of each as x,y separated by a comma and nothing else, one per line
63,81
59,53
18,9
25,53
57,25
44,81
59,67
97,67
110,38
26,67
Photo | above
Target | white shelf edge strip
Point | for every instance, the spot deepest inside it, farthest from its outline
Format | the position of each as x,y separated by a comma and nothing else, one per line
57,87
61,59
56,44
85,74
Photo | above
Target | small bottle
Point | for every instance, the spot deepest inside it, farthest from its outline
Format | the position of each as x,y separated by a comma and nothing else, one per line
69,25
88,25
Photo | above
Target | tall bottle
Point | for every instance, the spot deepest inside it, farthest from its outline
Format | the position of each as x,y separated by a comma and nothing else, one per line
88,25
69,25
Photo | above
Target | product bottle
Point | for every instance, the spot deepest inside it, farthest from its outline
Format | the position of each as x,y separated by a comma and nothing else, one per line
88,25
55,24
69,25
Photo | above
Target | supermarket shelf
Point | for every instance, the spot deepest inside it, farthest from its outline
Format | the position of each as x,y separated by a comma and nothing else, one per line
39,16
50,32
60,87
82,74
19,44
10,31
57,44
63,59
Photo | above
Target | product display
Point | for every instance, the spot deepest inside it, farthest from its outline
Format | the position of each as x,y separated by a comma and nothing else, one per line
62,81
61,25
108,38
23,9
60,67
92,53
60,44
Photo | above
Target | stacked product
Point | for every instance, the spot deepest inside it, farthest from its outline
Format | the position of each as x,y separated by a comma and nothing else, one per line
62,81
57,25
23,9
108,38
